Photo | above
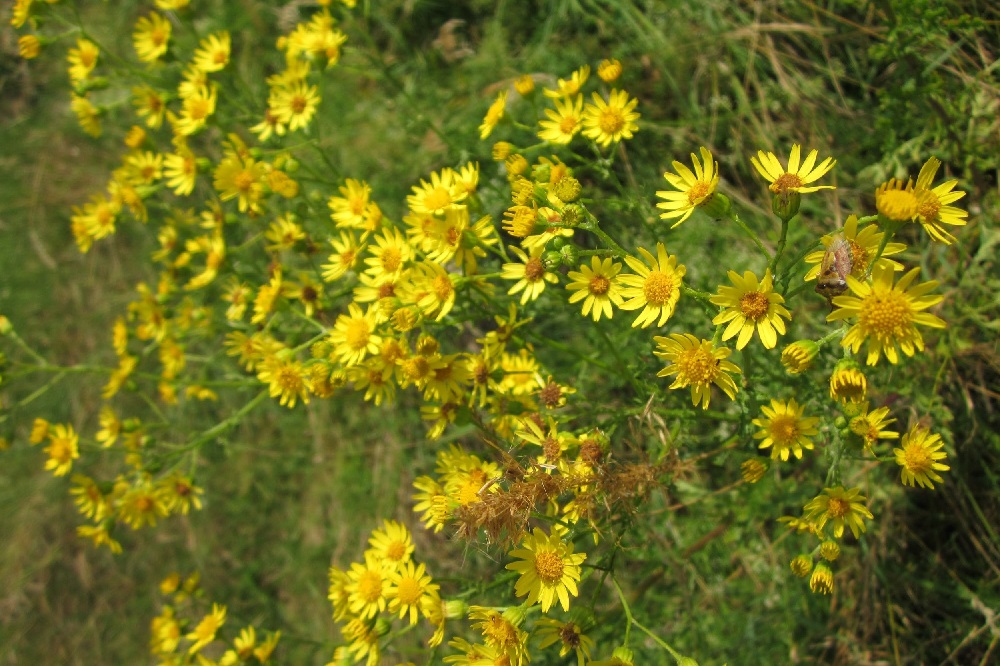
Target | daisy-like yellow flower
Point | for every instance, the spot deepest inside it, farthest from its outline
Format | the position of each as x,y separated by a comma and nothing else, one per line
28,46
563,122
597,286
151,37
798,356
82,60
895,201
863,243
612,120
149,104
569,635
88,115
798,176
751,304
839,507
180,170
204,633
389,254
502,633
213,52
367,586
530,274
693,189
933,207
656,286
241,178
286,380
353,335
698,364
887,314
195,111
408,585
571,86
62,449
784,428
443,191
348,210
919,457
392,543
345,255
294,105
871,426
493,115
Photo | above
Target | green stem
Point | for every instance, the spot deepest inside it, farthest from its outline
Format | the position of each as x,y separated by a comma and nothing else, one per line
749,232
781,247
630,619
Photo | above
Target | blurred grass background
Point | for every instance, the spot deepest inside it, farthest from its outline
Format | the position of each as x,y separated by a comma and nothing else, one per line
879,85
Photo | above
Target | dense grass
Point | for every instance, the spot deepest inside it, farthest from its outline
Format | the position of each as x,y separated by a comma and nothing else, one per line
287,494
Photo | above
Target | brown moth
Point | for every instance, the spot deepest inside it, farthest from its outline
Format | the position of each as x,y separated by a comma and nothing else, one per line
833,271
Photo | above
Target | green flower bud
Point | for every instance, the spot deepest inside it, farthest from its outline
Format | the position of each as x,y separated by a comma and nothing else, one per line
786,205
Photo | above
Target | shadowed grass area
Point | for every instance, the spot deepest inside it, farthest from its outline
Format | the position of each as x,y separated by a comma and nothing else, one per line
290,493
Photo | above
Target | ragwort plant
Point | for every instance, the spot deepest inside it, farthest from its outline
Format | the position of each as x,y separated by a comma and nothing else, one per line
276,273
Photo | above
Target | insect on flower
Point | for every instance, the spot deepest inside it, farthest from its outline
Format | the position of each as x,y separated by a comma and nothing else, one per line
836,266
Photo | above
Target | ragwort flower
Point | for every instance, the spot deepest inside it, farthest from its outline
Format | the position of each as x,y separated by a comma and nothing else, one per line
655,288
751,304
597,286
932,203
693,189
796,177
786,429
697,364
612,120
563,122
887,314
863,243
839,507
549,569
919,455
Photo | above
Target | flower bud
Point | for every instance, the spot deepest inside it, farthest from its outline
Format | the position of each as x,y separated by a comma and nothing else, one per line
802,565
786,205
798,356
753,470
524,85
821,581
609,69
570,254
829,550
716,206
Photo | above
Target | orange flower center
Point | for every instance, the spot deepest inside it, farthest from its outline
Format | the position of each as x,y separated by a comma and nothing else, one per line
534,270
916,459
396,550
784,429
408,591
599,285
549,567
298,103
611,121
391,259
698,192
754,305
929,206
442,287
785,183
838,508
243,181
886,314
658,288
568,124
698,365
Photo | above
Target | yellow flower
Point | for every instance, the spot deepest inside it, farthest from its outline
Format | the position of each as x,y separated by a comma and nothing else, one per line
90,500
243,178
28,46
367,586
353,335
392,543
821,581
568,634
286,380
564,122
62,449
180,494
932,203
195,110
213,52
87,114
609,69
887,314
151,37
502,632
839,507
571,86
597,286
751,304
872,426
408,585
611,120
848,383
697,364
919,455
443,191
82,60
895,201
389,254
20,11
796,177
181,171
205,632
100,536
549,569
863,243
753,470
655,288
798,356
493,115
294,105
348,210
149,104
784,428
531,274
344,257
140,504
694,189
